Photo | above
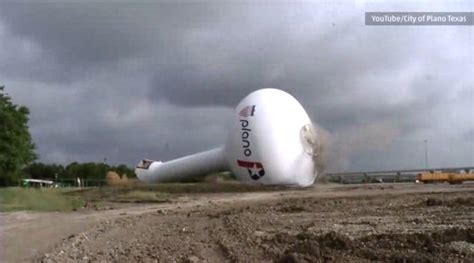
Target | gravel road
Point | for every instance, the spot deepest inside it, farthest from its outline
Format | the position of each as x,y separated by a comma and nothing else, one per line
334,223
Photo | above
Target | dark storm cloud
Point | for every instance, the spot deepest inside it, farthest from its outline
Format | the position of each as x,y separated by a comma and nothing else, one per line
125,81
366,85
78,37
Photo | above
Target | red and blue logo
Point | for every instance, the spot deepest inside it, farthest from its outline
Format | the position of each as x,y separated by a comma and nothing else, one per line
247,111
255,169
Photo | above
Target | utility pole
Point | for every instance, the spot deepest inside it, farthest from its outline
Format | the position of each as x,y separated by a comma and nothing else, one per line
426,153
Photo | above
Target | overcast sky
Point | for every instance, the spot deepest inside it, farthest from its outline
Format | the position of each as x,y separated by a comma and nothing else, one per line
160,80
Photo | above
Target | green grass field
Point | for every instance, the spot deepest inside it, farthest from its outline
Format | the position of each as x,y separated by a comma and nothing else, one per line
70,199
45,199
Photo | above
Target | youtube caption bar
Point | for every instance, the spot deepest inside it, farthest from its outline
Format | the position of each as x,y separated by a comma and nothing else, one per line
419,18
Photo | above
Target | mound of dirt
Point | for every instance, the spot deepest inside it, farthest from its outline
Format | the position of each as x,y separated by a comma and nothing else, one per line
356,225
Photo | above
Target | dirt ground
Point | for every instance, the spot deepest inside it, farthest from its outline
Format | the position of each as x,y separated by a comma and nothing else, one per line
330,223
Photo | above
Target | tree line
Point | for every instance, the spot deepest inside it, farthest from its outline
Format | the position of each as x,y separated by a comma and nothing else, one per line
86,171
17,152
16,145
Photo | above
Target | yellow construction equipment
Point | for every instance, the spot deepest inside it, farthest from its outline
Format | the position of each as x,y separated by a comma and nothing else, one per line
452,178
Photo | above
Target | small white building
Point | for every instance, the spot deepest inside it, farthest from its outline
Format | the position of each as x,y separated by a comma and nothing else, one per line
37,183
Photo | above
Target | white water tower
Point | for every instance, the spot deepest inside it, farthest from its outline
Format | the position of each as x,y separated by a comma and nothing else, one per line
271,141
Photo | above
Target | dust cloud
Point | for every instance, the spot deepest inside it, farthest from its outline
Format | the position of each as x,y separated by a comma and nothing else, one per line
336,149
